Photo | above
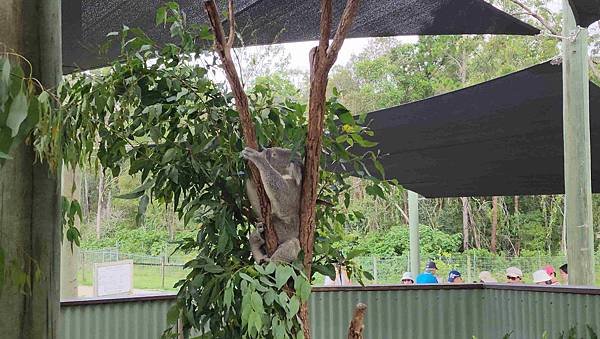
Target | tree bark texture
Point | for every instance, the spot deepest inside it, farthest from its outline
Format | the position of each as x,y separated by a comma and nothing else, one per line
465,215
223,46
29,193
494,224
322,58
101,203
357,325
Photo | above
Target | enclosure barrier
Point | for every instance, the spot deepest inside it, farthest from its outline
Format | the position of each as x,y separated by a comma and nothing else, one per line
406,312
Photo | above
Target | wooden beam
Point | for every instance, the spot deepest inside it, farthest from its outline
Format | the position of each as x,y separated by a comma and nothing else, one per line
29,192
413,216
576,132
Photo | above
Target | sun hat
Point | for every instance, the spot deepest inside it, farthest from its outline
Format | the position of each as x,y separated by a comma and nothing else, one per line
486,277
430,265
452,275
514,272
407,276
541,276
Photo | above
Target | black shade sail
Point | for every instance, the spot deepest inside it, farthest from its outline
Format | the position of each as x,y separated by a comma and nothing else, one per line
501,137
86,22
586,11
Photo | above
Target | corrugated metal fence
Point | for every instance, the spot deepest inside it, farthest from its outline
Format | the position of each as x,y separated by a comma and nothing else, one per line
405,312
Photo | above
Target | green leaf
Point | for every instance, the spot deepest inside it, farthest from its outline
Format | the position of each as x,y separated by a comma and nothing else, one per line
169,155
228,295
173,315
213,268
161,16
302,288
282,275
142,206
5,156
17,113
293,307
138,192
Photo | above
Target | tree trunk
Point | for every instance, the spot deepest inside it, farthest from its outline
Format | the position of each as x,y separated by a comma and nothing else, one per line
357,325
170,220
465,218
85,196
494,224
29,192
101,203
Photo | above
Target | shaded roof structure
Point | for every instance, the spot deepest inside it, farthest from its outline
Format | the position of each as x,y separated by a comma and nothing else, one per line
86,22
586,11
501,137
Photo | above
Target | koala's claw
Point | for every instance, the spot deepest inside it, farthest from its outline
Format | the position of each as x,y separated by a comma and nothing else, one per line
249,153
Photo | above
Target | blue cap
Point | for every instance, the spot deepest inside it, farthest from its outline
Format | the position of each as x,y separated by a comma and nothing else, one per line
453,275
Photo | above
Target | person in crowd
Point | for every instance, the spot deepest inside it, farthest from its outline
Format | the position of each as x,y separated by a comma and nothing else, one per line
552,273
428,276
407,279
541,277
486,277
514,275
564,273
341,277
454,277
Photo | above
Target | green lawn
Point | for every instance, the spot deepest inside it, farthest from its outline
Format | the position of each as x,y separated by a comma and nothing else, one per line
144,277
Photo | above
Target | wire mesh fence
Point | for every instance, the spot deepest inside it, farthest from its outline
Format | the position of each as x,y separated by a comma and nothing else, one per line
149,272
162,272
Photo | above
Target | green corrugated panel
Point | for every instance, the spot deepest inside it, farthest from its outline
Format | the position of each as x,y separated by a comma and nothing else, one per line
126,320
529,314
426,314
400,313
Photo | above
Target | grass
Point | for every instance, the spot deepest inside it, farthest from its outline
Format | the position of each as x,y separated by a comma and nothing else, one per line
144,277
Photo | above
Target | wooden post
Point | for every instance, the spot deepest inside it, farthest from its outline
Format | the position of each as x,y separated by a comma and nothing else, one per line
576,132
413,216
355,331
29,192
69,252
162,269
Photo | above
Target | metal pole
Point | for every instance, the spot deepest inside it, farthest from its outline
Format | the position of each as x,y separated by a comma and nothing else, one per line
576,130
413,220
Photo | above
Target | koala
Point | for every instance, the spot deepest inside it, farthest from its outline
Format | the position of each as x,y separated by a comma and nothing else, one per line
281,177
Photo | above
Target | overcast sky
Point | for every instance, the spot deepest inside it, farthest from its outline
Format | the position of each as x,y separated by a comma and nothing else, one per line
299,51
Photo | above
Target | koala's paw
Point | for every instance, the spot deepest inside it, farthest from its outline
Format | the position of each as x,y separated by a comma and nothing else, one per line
260,227
250,154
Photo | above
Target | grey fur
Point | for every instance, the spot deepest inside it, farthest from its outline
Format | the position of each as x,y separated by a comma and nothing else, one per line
281,176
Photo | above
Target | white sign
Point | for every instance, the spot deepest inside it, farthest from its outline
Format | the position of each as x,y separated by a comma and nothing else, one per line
113,278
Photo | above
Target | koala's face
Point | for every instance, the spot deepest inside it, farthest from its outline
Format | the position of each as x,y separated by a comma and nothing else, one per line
279,158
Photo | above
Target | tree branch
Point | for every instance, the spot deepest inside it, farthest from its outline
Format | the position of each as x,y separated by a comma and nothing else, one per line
231,37
223,49
342,30
326,9
536,16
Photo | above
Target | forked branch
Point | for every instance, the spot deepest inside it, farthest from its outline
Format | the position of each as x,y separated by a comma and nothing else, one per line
223,47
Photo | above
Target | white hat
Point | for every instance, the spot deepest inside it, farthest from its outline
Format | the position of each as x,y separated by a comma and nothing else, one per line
486,277
514,272
407,276
541,276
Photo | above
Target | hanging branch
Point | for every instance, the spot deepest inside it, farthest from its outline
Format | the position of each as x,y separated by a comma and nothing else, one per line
536,16
223,46
322,59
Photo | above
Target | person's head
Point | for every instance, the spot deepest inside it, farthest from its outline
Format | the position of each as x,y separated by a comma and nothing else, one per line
564,272
431,267
454,277
407,279
551,272
514,275
486,277
541,277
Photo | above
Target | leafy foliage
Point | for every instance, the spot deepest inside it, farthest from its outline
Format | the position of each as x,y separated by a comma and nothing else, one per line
158,113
